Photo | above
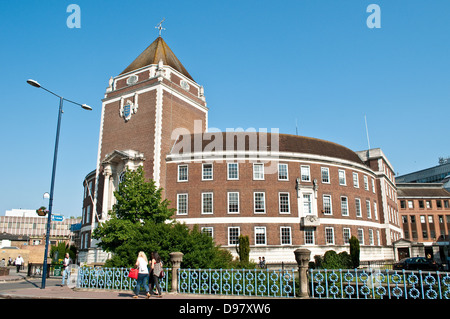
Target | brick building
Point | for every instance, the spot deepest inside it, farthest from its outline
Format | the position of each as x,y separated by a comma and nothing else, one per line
283,191
425,212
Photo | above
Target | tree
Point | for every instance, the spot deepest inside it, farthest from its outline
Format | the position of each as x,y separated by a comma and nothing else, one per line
140,221
59,251
243,249
137,199
354,251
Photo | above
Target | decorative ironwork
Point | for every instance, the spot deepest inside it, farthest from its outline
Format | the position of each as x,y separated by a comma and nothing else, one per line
379,284
112,279
245,282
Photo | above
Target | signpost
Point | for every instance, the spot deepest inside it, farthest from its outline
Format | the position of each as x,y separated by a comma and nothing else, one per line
57,218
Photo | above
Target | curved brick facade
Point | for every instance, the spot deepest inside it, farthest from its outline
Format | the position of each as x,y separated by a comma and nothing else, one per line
286,199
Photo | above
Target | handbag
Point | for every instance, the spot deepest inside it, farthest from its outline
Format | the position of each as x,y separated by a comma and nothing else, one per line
133,273
162,274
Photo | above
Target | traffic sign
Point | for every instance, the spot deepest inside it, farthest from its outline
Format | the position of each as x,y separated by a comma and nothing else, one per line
57,218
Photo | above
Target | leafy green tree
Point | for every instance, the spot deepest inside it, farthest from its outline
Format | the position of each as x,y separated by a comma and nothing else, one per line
142,223
333,260
137,199
243,249
354,251
59,251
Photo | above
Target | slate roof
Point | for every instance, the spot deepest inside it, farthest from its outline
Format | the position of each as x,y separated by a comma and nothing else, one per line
158,50
286,143
421,190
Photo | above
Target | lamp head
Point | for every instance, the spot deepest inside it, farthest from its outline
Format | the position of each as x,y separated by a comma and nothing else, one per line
86,107
33,83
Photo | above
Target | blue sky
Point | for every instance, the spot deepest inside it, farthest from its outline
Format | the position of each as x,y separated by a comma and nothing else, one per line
263,64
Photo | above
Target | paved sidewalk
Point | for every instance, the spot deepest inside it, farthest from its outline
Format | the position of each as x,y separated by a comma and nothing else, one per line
68,293
57,292
13,275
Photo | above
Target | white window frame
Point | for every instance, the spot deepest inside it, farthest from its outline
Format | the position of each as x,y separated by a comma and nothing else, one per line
373,185
368,209
344,208
287,171
375,210
305,171
178,204
307,205
187,173
260,230
371,239
204,196
329,234
366,182
361,236
358,207
346,235
280,204
258,171
237,236
325,170
228,172
309,234
254,202
210,178
342,179
289,234
228,202
355,180
208,230
323,205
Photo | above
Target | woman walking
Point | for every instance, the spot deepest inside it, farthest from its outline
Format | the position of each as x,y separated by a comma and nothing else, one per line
157,268
141,265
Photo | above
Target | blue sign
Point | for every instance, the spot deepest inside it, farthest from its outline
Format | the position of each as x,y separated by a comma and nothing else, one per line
57,218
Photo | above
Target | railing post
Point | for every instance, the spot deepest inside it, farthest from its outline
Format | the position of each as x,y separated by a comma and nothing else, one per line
176,258
302,256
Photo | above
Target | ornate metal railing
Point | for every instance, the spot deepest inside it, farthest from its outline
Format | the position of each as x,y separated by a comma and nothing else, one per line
379,284
245,282
113,279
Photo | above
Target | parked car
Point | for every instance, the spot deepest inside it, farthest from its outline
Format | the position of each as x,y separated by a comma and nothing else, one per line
417,263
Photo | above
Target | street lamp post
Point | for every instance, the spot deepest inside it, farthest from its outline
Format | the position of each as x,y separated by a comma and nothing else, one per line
55,155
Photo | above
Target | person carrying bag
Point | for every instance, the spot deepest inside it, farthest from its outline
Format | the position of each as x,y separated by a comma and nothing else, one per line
141,265
157,272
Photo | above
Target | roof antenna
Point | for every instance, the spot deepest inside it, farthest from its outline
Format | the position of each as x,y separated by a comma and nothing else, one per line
159,26
367,133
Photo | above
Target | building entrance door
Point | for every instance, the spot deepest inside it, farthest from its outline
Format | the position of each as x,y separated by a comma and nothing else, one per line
403,253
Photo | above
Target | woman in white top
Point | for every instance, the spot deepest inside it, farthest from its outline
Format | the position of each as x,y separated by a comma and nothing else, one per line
141,264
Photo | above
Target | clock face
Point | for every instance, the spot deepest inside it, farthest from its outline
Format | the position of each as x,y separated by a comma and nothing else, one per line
184,85
132,79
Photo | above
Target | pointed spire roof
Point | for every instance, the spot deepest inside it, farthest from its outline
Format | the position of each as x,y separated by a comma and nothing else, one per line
158,50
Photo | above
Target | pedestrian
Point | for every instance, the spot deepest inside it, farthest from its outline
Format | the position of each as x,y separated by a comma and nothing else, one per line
157,269
66,269
141,265
263,262
19,262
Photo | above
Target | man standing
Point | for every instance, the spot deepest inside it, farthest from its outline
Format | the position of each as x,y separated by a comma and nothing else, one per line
66,269
19,262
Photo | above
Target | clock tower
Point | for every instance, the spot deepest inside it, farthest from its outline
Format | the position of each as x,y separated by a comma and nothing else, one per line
144,109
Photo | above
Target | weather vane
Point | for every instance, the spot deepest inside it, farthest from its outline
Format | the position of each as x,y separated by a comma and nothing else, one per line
159,26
